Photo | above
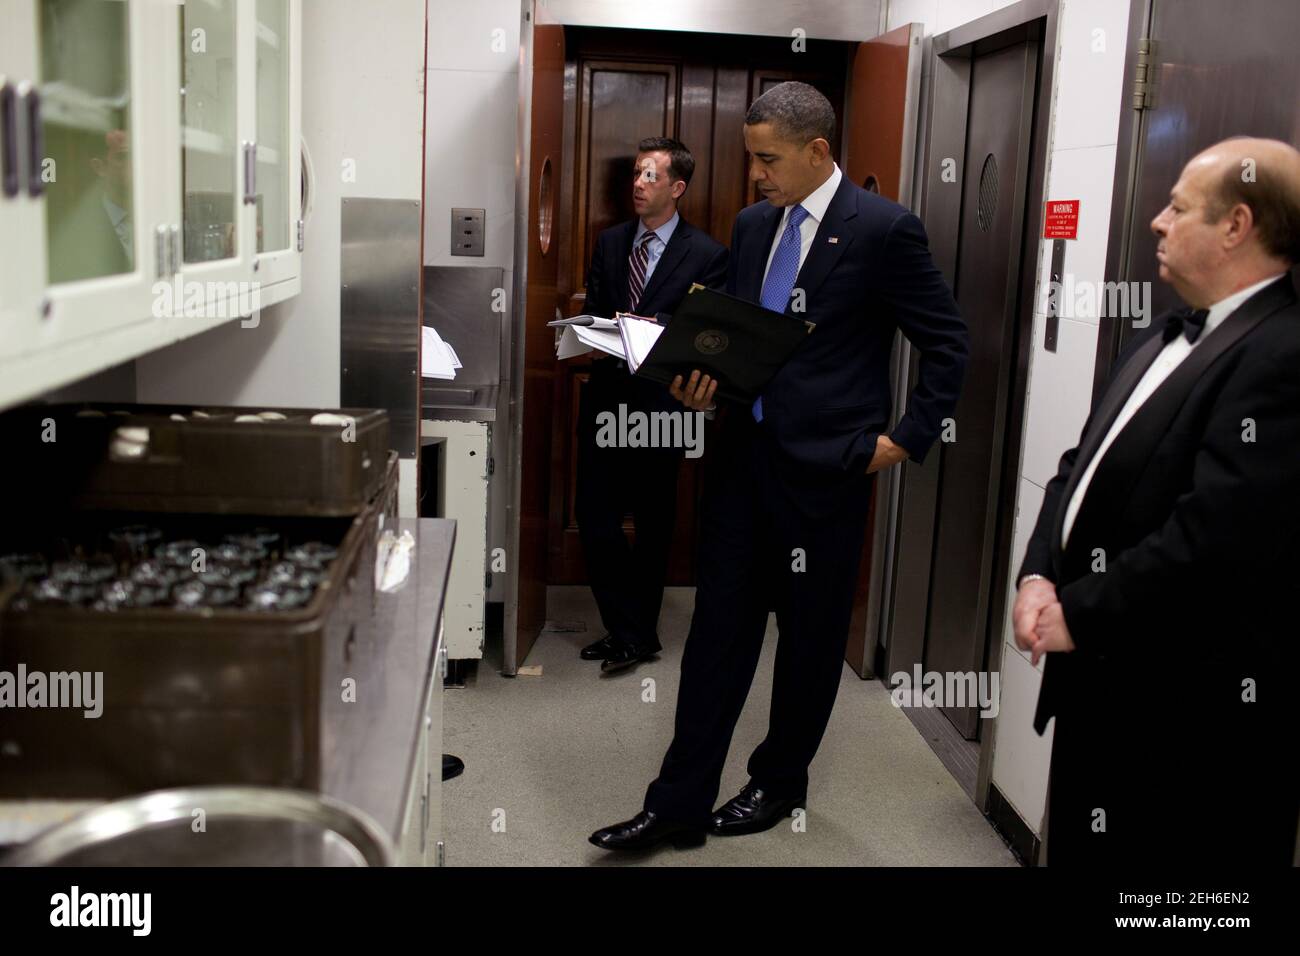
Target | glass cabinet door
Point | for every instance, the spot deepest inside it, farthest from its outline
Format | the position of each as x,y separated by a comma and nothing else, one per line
87,116
275,152
210,145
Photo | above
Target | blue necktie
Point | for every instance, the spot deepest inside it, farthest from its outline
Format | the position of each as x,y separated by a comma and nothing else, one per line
781,275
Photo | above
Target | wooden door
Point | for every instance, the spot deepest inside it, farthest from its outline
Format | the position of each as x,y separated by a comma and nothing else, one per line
545,163
622,86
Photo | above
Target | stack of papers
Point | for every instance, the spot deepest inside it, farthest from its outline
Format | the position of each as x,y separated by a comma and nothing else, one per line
627,337
437,358
639,336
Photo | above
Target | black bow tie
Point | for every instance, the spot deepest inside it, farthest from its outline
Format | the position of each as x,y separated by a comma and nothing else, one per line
1191,322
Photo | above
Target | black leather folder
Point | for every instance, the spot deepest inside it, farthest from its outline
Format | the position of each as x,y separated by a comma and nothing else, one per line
741,344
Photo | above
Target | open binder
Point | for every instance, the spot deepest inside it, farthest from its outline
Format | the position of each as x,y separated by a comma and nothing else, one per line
741,344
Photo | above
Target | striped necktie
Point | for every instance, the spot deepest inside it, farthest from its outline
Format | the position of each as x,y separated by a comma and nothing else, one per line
636,270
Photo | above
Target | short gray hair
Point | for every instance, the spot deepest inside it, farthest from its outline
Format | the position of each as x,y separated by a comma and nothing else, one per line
797,111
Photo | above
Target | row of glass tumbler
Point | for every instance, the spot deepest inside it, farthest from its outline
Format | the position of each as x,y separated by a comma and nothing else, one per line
252,570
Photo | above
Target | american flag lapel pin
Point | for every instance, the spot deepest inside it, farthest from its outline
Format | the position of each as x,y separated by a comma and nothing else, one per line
833,239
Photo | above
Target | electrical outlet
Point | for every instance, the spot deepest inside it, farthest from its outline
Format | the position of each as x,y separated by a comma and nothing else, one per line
467,232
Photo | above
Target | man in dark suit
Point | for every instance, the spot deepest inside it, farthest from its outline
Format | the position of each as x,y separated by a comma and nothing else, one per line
783,525
1159,581
644,266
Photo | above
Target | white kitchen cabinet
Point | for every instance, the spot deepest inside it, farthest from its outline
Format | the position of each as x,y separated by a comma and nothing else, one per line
149,157
279,224
462,482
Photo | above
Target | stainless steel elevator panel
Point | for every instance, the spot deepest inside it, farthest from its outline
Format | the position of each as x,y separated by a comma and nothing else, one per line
986,289
379,313
954,532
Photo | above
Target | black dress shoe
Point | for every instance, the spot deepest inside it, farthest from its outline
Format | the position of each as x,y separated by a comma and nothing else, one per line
625,654
753,810
646,830
600,649
452,766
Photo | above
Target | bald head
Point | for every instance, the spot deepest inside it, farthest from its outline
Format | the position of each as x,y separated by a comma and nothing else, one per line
1233,219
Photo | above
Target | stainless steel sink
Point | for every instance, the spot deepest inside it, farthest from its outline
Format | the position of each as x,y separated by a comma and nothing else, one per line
459,402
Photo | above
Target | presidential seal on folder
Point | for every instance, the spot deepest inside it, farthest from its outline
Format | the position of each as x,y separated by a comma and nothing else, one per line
741,344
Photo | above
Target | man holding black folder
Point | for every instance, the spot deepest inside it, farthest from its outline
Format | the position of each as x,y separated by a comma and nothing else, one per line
784,523
643,266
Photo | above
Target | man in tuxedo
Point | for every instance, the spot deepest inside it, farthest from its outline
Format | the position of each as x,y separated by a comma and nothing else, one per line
1159,581
784,523
644,266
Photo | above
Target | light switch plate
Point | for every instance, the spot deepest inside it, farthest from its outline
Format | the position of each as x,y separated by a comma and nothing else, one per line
467,232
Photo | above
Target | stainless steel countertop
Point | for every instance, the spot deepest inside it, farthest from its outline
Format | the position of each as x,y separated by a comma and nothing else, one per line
368,757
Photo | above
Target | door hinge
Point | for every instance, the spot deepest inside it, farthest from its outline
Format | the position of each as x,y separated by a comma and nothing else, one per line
1144,84
302,234
441,855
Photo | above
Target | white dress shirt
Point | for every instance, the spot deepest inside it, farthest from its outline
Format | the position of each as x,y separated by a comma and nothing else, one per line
657,244
1169,358
815,203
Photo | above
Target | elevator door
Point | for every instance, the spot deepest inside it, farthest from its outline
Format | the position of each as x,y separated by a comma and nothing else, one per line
1220,70
987,280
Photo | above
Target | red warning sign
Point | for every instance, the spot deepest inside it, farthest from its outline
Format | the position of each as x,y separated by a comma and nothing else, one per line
1061,219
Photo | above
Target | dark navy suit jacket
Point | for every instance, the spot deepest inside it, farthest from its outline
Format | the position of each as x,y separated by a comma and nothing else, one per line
690,256
868,273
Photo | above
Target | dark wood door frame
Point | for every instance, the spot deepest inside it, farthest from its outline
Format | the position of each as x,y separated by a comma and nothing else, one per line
687,85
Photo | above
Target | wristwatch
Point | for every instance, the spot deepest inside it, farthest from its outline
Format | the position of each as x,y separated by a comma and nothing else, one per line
1032,577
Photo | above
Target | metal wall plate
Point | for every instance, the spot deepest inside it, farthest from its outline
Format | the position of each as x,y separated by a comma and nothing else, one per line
467,227
379,313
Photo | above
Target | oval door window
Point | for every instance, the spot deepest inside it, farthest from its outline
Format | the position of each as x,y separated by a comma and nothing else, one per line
545,207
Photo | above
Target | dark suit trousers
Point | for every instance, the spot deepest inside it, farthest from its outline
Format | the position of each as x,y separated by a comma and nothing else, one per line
750,530
626,580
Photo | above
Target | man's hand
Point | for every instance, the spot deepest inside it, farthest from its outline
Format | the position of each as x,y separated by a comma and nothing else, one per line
1051,632
1032,597
887,454
698,392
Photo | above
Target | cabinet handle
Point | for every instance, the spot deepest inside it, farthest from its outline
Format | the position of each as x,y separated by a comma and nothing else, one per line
160,246
35,143
9,140
250,173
